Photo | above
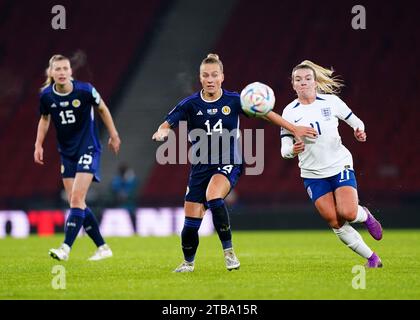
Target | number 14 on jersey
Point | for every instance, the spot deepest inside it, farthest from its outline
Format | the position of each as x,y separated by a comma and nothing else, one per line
218,127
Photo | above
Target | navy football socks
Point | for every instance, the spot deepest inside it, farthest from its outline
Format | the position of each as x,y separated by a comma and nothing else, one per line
92,228
189,237
221,221
73,224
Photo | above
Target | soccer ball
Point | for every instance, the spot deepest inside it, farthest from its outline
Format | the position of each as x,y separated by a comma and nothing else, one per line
257,99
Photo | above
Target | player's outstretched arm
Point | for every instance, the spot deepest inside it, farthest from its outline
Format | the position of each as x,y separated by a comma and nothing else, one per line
297,131
43,125
114,141
162,131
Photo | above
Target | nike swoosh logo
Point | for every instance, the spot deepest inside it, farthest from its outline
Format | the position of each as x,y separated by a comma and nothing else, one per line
296,121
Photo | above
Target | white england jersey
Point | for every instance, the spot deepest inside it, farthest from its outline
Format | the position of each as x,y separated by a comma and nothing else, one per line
327,156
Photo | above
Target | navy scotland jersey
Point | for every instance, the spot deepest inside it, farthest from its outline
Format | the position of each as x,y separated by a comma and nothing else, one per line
73,117
218,120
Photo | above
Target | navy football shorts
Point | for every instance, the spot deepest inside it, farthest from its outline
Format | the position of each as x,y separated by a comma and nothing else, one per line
201,174
318,187
88,162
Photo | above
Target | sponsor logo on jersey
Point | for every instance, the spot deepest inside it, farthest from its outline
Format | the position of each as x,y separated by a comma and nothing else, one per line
76,103
188,190
199,113
296,121
64,103
86,167
212,111
62,169
53,105
226,110
326,113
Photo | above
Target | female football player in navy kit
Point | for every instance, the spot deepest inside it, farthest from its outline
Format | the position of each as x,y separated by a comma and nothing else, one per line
70,105
213,110
326,165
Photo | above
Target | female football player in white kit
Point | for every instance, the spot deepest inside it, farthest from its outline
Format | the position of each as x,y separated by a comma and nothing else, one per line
326,165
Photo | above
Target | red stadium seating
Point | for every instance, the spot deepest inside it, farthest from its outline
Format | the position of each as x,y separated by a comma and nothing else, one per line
109,42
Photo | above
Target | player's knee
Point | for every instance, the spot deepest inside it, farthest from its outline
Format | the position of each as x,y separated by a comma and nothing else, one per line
347,213
77,199
334,223
210,197
211,194
217,188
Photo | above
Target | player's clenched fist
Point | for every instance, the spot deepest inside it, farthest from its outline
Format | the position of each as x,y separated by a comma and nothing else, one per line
298,147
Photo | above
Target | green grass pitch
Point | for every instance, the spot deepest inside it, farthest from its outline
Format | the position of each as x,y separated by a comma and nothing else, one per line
274,265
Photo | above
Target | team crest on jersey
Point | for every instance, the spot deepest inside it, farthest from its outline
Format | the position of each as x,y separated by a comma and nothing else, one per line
76,103
226,110
212,111
326,113
64,103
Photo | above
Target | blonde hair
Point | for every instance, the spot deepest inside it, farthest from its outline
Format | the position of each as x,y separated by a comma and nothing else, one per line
50,80
213,58
326,82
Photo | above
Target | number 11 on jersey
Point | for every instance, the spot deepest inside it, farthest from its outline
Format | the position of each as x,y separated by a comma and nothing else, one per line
318,127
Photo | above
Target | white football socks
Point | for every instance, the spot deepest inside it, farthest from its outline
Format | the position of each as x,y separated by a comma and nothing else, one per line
353,240
361,215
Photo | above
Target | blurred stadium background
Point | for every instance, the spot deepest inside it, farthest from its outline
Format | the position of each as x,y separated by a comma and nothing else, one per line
143,57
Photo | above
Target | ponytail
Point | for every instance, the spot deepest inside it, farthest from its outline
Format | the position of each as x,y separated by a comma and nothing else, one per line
326,82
